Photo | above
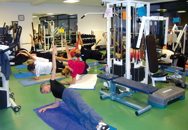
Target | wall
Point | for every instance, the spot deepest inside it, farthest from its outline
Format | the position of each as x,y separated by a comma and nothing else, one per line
9,11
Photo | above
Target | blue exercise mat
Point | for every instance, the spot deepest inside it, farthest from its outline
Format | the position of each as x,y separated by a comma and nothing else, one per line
61,118
102,68
21,67
93,63
28,82
24,75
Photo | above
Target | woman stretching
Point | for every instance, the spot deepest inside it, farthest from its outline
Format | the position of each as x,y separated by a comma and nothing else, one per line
73,67
89,54
38,65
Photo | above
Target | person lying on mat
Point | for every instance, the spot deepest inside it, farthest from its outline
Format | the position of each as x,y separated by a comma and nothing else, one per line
181,60
167,49
121,54
87,116
21,57
73,67
75,52
38,65
134,54
89,54
72,52
94,47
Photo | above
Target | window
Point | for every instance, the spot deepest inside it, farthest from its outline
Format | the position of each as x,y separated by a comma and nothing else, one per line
66,21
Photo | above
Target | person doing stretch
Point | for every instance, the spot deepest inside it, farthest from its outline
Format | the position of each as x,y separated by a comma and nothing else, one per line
73,67
87,116
76,52
167,49
72,52
21,57
39,65
89,54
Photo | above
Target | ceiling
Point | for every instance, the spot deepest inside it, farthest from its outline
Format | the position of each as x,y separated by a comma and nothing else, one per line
82,2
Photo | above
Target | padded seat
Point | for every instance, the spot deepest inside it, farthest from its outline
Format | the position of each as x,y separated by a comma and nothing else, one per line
159,75
153,61
161,62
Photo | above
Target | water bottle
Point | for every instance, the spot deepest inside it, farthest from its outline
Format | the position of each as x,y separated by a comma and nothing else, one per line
176,73
40,45
20,72
106,70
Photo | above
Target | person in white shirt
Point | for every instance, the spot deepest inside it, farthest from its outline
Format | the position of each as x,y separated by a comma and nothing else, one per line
39,65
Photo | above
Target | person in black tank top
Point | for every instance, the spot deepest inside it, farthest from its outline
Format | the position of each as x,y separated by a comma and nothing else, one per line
57,88
87,116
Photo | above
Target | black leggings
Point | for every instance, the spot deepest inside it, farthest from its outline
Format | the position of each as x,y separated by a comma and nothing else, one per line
46,55
18,60
85,69
59,65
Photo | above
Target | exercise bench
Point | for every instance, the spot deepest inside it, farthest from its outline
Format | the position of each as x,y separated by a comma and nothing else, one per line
108,80
135,86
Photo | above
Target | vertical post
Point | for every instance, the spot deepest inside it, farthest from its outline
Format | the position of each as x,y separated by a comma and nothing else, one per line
108,41
184,39
128,39
115,25
166,30
146,33
61,41
121,29
44,39
52,33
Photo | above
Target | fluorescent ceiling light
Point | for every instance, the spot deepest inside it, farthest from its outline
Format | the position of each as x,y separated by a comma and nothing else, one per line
71,1
182,11
34,16
163,10
50,13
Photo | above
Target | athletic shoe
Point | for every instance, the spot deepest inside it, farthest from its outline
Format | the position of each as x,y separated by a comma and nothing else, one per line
88,69
102,126
12,63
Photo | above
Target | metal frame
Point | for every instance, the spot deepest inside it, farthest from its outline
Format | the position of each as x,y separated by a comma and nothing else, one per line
181,32
112,95
48,37
5,87
145,29
127,4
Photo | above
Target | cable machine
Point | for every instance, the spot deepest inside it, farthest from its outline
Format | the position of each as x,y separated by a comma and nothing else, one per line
125,24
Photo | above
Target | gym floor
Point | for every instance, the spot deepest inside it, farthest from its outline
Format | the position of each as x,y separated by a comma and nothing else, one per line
122,117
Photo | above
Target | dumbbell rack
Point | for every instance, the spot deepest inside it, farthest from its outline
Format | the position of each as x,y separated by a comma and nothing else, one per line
88,40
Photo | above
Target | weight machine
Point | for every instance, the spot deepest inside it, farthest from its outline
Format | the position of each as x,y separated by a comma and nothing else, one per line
50,32
131,28
145,29
6,97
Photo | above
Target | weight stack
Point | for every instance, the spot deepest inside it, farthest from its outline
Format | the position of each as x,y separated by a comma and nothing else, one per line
138,74
3,99
119,70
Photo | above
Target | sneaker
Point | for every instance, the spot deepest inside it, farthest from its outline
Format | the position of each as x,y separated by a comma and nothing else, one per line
103,126
88,69
12,63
